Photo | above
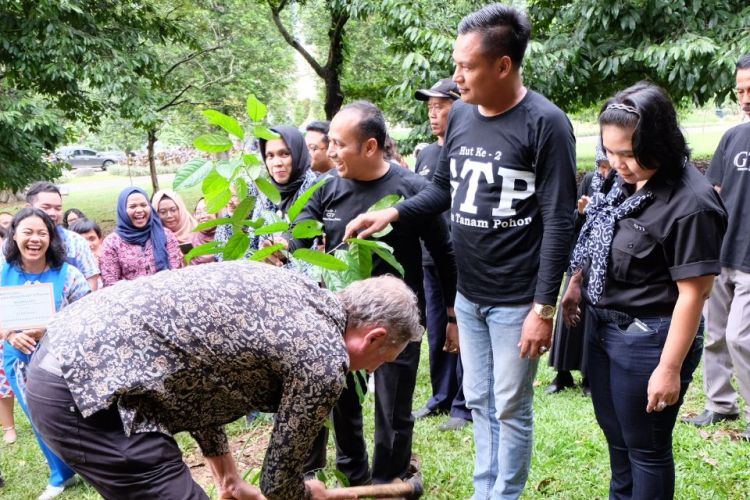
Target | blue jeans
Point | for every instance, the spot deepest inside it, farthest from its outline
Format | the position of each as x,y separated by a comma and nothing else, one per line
620,364
498,386
13,361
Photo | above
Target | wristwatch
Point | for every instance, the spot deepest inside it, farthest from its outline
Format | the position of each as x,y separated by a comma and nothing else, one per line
545,311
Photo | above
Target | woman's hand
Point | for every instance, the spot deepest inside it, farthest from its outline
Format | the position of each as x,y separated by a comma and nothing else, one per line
22,341
582,202
663,388
570,311
37,333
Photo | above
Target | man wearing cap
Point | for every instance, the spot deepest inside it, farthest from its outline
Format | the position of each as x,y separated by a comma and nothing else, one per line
446,371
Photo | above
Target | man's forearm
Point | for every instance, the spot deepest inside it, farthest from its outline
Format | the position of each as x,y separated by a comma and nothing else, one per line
224,470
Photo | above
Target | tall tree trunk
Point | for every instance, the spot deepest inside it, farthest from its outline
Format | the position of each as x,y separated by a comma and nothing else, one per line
334,95
152,159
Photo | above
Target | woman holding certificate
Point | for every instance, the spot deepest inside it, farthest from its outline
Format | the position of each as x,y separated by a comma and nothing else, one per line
34,255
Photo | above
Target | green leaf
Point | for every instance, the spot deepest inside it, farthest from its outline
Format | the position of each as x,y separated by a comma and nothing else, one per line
307,229
240,186
212,247
363,257
263,253
226,168
255,224
191,173
320,259
276,227
256,110
251,160
300,202
386,201
236,246
228,123
219,221
268,189
216,191
381,249
383,232
213,143
263,132
244,209
359,381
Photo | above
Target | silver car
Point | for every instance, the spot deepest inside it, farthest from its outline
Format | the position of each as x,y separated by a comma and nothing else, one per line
84,158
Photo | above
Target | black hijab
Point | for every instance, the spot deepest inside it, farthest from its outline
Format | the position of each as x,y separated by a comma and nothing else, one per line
300,163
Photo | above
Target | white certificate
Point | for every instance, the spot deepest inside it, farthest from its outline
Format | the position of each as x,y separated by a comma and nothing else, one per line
27,306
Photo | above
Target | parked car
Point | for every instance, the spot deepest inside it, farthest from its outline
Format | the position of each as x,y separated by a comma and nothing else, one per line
79,157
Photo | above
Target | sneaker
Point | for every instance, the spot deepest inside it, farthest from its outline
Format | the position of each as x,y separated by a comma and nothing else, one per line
55,491
51,492
453,424
709,417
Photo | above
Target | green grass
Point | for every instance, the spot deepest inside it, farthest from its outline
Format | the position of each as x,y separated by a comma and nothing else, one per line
570,459
99,203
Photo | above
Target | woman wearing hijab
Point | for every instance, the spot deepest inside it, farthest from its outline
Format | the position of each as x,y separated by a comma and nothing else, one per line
568,347
205,236
288,163
174,214
139,245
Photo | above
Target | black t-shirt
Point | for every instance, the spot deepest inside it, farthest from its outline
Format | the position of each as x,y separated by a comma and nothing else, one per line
427,163
511,179
730,169
340,200
677,236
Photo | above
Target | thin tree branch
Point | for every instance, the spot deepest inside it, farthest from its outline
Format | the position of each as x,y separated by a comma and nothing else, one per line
275,13
190,58
176,98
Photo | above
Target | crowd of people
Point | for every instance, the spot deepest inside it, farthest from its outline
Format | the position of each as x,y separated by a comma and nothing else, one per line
651,256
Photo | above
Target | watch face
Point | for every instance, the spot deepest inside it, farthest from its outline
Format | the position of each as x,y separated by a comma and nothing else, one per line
546,311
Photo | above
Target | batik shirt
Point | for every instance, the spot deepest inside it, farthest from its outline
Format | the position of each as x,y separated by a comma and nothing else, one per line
196,348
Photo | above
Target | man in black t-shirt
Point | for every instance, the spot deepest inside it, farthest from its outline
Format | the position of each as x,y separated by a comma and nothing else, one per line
727,313
446,372
507,172
360,178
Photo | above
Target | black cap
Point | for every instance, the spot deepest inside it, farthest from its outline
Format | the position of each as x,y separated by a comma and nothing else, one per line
445,88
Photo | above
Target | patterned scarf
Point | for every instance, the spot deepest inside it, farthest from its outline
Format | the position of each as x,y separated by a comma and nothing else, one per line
595,239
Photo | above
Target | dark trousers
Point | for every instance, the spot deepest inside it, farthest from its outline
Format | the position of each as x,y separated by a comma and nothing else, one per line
394,425
446,371
146,465
351,451
620,365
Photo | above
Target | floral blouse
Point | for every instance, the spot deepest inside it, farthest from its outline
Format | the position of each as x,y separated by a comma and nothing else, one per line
121,260
196,348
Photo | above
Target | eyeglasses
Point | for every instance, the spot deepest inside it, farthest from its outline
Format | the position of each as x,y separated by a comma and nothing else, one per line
314,148
167,211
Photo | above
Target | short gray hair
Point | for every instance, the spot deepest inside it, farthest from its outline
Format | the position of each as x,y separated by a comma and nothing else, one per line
384,301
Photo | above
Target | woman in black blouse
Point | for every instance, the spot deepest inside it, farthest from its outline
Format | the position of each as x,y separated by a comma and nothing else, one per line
646,258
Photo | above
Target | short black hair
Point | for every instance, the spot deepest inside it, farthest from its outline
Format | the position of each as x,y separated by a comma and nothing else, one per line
744,62
321,126
372,122
55,254
658,142
41,187
83,226
69,211
505,31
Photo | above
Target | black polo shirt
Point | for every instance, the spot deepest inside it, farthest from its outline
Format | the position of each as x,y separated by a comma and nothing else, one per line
677,236
730,169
